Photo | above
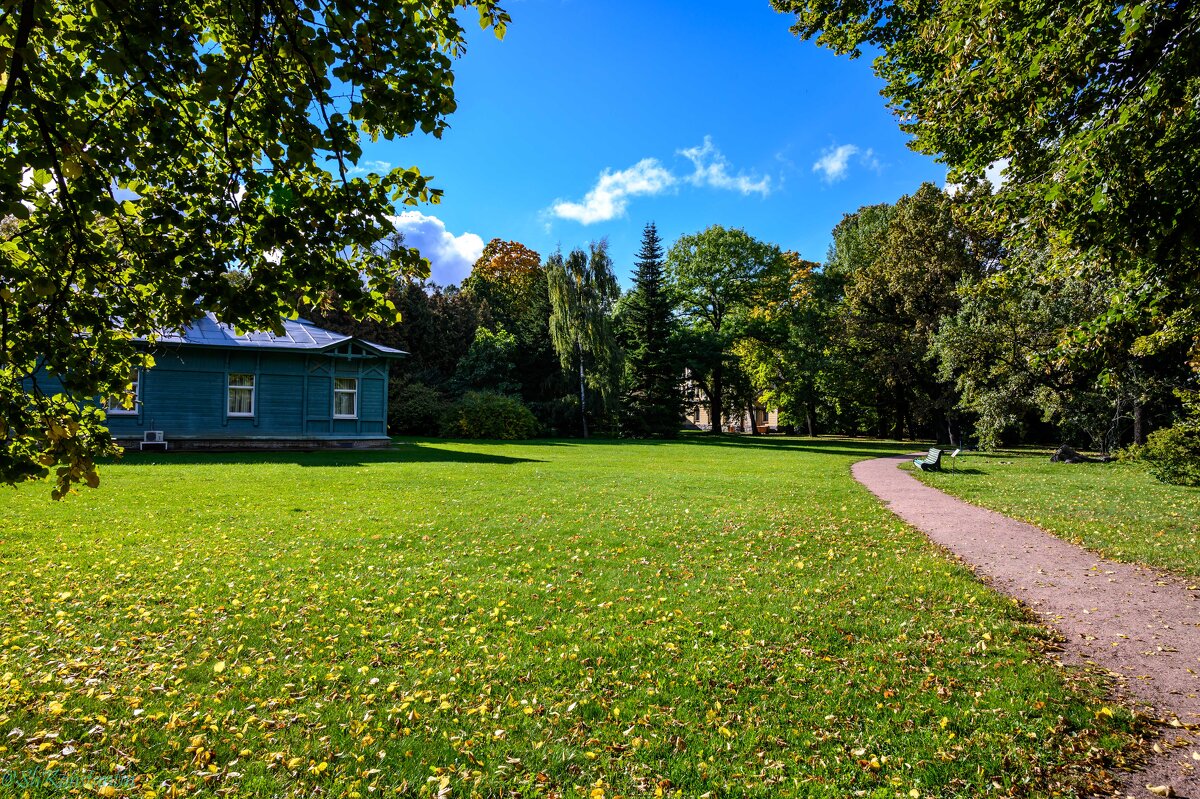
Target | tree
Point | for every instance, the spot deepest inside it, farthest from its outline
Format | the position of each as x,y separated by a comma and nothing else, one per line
437,326
785,354
857,241
1093,109
582,292
895,302
997,349
851,398
1004,349
653,397
167,159
508,283
718,274
488,364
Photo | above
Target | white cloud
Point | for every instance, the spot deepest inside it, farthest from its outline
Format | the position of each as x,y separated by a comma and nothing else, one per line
363,167
610,196
711,169
869,160
450,257
994,174
834,161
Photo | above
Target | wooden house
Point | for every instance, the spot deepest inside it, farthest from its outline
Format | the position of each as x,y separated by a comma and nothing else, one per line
211,387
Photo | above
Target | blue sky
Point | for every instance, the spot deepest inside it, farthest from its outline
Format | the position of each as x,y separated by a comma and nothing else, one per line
590,119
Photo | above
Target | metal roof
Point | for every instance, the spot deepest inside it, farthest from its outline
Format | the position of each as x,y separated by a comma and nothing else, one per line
298,334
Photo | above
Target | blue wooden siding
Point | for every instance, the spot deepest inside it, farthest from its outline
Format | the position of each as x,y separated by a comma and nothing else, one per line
185,395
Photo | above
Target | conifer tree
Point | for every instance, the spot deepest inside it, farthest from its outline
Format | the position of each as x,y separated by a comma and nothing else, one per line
653,399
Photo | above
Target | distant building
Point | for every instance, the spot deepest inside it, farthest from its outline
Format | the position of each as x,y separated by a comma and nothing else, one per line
766,420
213,388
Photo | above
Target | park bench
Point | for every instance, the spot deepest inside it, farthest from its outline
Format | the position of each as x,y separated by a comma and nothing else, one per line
932,462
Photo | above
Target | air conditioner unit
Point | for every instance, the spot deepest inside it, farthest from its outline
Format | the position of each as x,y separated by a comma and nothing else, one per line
154,439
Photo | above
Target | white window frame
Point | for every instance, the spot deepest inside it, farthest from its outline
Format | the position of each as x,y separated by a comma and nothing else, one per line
119,410
253,388
353,392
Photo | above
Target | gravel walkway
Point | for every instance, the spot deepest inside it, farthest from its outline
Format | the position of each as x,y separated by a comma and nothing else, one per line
1140,624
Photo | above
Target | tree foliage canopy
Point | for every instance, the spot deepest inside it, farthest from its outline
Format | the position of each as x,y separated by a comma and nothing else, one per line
508,283
1092,107
169,157
583,292
719,274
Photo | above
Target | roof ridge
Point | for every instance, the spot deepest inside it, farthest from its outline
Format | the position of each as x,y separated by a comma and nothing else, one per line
300,334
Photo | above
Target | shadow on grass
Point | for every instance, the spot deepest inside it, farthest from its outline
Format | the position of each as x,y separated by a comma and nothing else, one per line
847,447
403,452
438,450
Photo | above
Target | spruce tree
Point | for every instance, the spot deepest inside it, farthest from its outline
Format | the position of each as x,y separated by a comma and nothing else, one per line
653,399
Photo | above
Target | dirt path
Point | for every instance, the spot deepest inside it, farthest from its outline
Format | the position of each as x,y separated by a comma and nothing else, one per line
1140,624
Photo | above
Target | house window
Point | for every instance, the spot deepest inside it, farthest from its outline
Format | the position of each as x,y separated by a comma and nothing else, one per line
126,403
241,395
345,398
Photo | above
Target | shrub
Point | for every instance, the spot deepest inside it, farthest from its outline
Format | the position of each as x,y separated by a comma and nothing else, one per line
414,409
480,414
1173,454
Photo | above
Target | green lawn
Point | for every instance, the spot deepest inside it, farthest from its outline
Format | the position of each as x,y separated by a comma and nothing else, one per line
728,618
1117,509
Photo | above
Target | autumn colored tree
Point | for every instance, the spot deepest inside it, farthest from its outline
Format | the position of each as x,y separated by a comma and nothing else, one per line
653,400
583,291
165,159
508,283
508,277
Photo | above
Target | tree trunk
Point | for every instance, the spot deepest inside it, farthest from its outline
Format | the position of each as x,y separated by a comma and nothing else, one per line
582,392
808,418
1139,420
898,424
753,421
941,421
714,401
906,423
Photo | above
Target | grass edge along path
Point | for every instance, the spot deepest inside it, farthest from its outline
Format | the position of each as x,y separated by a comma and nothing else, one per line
732,617
1136,623
1116,509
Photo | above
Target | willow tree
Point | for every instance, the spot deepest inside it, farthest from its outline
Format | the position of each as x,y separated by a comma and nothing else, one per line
583,291
164,159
